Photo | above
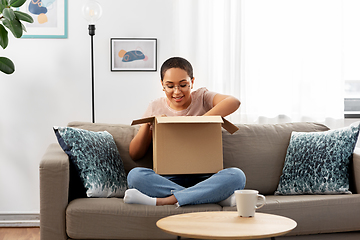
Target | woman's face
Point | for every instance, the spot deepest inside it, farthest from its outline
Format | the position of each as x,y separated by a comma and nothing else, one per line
177,86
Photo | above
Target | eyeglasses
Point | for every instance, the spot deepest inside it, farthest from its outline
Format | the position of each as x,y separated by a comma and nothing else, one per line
181,87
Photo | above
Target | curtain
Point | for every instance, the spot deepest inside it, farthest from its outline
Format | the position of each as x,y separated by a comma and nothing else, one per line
282,59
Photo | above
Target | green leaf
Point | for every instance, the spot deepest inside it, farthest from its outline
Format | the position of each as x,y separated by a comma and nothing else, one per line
2,7
6,65
23,27
4,40
9,14
14,26
17,3
23,17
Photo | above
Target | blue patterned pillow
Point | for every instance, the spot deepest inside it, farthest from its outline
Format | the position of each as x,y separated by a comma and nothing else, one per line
318,162
97,160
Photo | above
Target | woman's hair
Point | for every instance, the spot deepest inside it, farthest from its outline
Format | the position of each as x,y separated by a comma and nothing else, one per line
177,62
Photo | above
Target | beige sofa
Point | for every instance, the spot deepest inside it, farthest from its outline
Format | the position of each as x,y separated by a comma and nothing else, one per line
259,150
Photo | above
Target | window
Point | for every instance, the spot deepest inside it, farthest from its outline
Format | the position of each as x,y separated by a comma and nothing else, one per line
352,99
351,60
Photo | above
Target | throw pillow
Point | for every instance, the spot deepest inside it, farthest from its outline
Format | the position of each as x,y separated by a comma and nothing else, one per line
318,162
96,159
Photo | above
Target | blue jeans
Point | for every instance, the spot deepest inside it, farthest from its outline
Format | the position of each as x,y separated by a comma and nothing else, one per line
189,188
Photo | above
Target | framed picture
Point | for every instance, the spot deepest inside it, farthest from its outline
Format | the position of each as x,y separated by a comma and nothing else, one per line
50,18
133,54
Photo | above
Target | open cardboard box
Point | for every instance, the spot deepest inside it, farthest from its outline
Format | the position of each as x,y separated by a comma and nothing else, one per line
187,144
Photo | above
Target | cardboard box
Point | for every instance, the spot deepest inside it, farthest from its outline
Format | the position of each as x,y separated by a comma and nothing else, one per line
187,144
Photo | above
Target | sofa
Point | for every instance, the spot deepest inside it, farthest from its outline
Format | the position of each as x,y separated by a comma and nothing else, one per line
258,149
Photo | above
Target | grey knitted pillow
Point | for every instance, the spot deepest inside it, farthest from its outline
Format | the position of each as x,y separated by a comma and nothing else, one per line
97,160
318,162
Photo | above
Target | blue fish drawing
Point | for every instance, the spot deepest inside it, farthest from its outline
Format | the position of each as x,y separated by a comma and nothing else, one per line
37,8
133,55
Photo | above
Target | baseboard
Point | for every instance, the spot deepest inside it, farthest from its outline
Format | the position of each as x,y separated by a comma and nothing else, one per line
20,220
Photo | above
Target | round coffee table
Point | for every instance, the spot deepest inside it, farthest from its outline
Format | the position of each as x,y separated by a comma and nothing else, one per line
226,225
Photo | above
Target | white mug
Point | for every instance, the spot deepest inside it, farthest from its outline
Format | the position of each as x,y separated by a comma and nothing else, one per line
246,202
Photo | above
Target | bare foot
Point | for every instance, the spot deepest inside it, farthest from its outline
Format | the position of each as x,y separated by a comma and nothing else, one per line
171,200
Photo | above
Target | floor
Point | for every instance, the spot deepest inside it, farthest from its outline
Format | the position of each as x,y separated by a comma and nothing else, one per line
13,233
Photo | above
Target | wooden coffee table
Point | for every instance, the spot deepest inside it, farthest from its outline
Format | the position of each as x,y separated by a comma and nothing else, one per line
226,225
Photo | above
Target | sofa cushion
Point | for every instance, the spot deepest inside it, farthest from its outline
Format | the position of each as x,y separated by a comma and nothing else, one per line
111,218
318,163
96,159
260,150
315,214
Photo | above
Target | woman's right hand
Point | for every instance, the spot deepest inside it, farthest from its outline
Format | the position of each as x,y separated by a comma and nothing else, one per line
141,142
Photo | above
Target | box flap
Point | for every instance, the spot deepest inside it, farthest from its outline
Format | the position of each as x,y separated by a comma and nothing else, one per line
142,120
189,119
228,126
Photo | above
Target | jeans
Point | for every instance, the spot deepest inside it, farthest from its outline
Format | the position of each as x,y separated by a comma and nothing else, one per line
189,188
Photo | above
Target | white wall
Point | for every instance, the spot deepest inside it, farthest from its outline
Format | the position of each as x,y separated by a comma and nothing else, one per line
52,86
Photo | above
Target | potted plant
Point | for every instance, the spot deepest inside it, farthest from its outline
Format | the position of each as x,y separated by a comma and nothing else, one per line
11,18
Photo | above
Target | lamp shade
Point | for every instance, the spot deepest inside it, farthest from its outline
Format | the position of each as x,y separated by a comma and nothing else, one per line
91,11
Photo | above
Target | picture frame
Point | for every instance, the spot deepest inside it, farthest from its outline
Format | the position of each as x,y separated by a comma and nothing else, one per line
133,54
50,18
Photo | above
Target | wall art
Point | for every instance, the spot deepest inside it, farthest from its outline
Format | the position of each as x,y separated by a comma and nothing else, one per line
133,54
50,18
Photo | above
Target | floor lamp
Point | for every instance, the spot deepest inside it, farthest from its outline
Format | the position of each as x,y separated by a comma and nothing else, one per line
92,11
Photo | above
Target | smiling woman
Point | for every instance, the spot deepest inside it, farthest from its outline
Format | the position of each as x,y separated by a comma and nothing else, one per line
177,81
177,85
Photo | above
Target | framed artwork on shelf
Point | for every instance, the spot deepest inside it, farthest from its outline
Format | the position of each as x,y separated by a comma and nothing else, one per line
133,54
50,18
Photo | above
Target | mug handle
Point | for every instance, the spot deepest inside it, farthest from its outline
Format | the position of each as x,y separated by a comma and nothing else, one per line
264,201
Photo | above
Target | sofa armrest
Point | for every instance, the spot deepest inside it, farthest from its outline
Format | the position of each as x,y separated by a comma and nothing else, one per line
356,169
54,189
